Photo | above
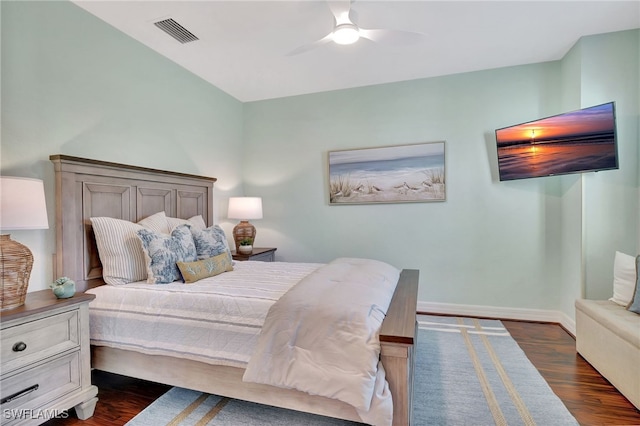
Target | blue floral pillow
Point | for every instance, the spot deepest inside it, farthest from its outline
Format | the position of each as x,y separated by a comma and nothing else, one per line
164,251
209,242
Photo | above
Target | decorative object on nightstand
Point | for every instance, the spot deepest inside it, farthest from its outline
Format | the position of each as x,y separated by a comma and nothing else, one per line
244,208
259,254
45,361
22,207
63,288
246,246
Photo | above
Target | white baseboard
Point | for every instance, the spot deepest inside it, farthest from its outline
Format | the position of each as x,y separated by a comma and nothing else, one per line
540,315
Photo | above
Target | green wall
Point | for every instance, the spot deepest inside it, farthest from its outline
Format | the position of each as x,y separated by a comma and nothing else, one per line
519,244
611,71
487,244
72,84
570,224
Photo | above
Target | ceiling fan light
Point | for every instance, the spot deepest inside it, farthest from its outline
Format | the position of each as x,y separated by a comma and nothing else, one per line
346,34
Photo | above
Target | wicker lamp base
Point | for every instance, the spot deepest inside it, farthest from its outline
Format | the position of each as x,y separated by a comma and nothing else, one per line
16,262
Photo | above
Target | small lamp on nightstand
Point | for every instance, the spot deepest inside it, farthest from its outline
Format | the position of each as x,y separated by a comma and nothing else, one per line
22,206
244,208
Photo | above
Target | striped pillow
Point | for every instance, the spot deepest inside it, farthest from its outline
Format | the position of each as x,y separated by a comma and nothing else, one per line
119,247
157,222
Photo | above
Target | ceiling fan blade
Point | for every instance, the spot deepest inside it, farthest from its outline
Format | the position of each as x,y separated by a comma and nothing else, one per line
310,46
340,10
392,37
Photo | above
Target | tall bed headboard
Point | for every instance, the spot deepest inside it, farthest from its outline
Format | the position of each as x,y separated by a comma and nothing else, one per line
91,188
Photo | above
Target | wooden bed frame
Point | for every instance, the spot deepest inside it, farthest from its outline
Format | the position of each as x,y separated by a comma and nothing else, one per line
89,188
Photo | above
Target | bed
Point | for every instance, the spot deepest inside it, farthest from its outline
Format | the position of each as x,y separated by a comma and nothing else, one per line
90,188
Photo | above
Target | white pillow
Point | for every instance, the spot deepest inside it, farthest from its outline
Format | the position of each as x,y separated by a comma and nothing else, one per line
197,221
120,249
157,222
624,278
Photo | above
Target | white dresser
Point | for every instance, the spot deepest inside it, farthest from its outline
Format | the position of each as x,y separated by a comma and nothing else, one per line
45,359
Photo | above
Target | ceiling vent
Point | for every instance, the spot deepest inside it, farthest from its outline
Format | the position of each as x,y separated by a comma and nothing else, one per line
176,30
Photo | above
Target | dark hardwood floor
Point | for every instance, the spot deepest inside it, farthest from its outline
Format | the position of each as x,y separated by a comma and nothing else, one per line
120,398
587,395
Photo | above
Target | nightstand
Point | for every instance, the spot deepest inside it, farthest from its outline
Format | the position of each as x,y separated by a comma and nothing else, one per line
260,254
45,359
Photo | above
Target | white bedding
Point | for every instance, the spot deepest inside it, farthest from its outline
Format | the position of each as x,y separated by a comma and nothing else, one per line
322,337
216,320
306,326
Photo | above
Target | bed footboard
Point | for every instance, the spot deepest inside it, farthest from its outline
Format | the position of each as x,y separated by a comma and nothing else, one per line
397,340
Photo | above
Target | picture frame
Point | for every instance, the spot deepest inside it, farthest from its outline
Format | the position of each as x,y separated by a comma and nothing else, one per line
389,174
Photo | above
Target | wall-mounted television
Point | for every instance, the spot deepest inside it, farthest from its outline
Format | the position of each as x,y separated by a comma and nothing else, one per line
572,142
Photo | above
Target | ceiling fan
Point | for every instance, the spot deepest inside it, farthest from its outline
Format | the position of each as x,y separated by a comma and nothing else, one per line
346,31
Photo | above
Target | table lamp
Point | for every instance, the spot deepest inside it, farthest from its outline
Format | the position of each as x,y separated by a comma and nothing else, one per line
244,208
22,207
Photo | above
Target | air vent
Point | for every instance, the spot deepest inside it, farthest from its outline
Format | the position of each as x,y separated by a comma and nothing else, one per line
176,30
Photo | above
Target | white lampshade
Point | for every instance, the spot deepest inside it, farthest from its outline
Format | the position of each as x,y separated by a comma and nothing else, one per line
245,208
22,204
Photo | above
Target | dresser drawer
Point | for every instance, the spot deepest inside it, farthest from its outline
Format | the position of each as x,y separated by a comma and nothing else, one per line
37,340
33,388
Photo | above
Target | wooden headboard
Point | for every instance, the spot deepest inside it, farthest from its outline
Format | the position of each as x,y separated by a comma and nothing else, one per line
91,188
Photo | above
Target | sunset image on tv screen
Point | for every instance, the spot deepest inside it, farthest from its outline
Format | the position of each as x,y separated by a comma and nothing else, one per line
577,141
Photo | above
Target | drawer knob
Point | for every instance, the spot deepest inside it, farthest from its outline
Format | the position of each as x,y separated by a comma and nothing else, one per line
19,347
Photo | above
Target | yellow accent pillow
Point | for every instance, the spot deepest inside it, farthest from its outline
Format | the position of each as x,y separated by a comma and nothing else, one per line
195,271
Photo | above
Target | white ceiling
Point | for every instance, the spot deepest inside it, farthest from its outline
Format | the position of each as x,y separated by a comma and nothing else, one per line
244,45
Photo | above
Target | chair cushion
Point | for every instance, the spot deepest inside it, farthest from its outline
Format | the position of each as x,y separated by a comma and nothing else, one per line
614,317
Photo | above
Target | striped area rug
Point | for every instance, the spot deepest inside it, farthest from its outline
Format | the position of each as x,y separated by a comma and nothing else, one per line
472,372
468,372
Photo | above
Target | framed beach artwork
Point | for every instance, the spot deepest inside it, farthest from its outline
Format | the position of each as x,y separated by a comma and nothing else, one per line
391,174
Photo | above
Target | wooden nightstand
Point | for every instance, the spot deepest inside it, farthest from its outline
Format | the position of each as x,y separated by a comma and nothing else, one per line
46,359
260,254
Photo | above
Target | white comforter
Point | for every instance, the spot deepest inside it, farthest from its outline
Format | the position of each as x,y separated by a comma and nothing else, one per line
216,320
322,337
